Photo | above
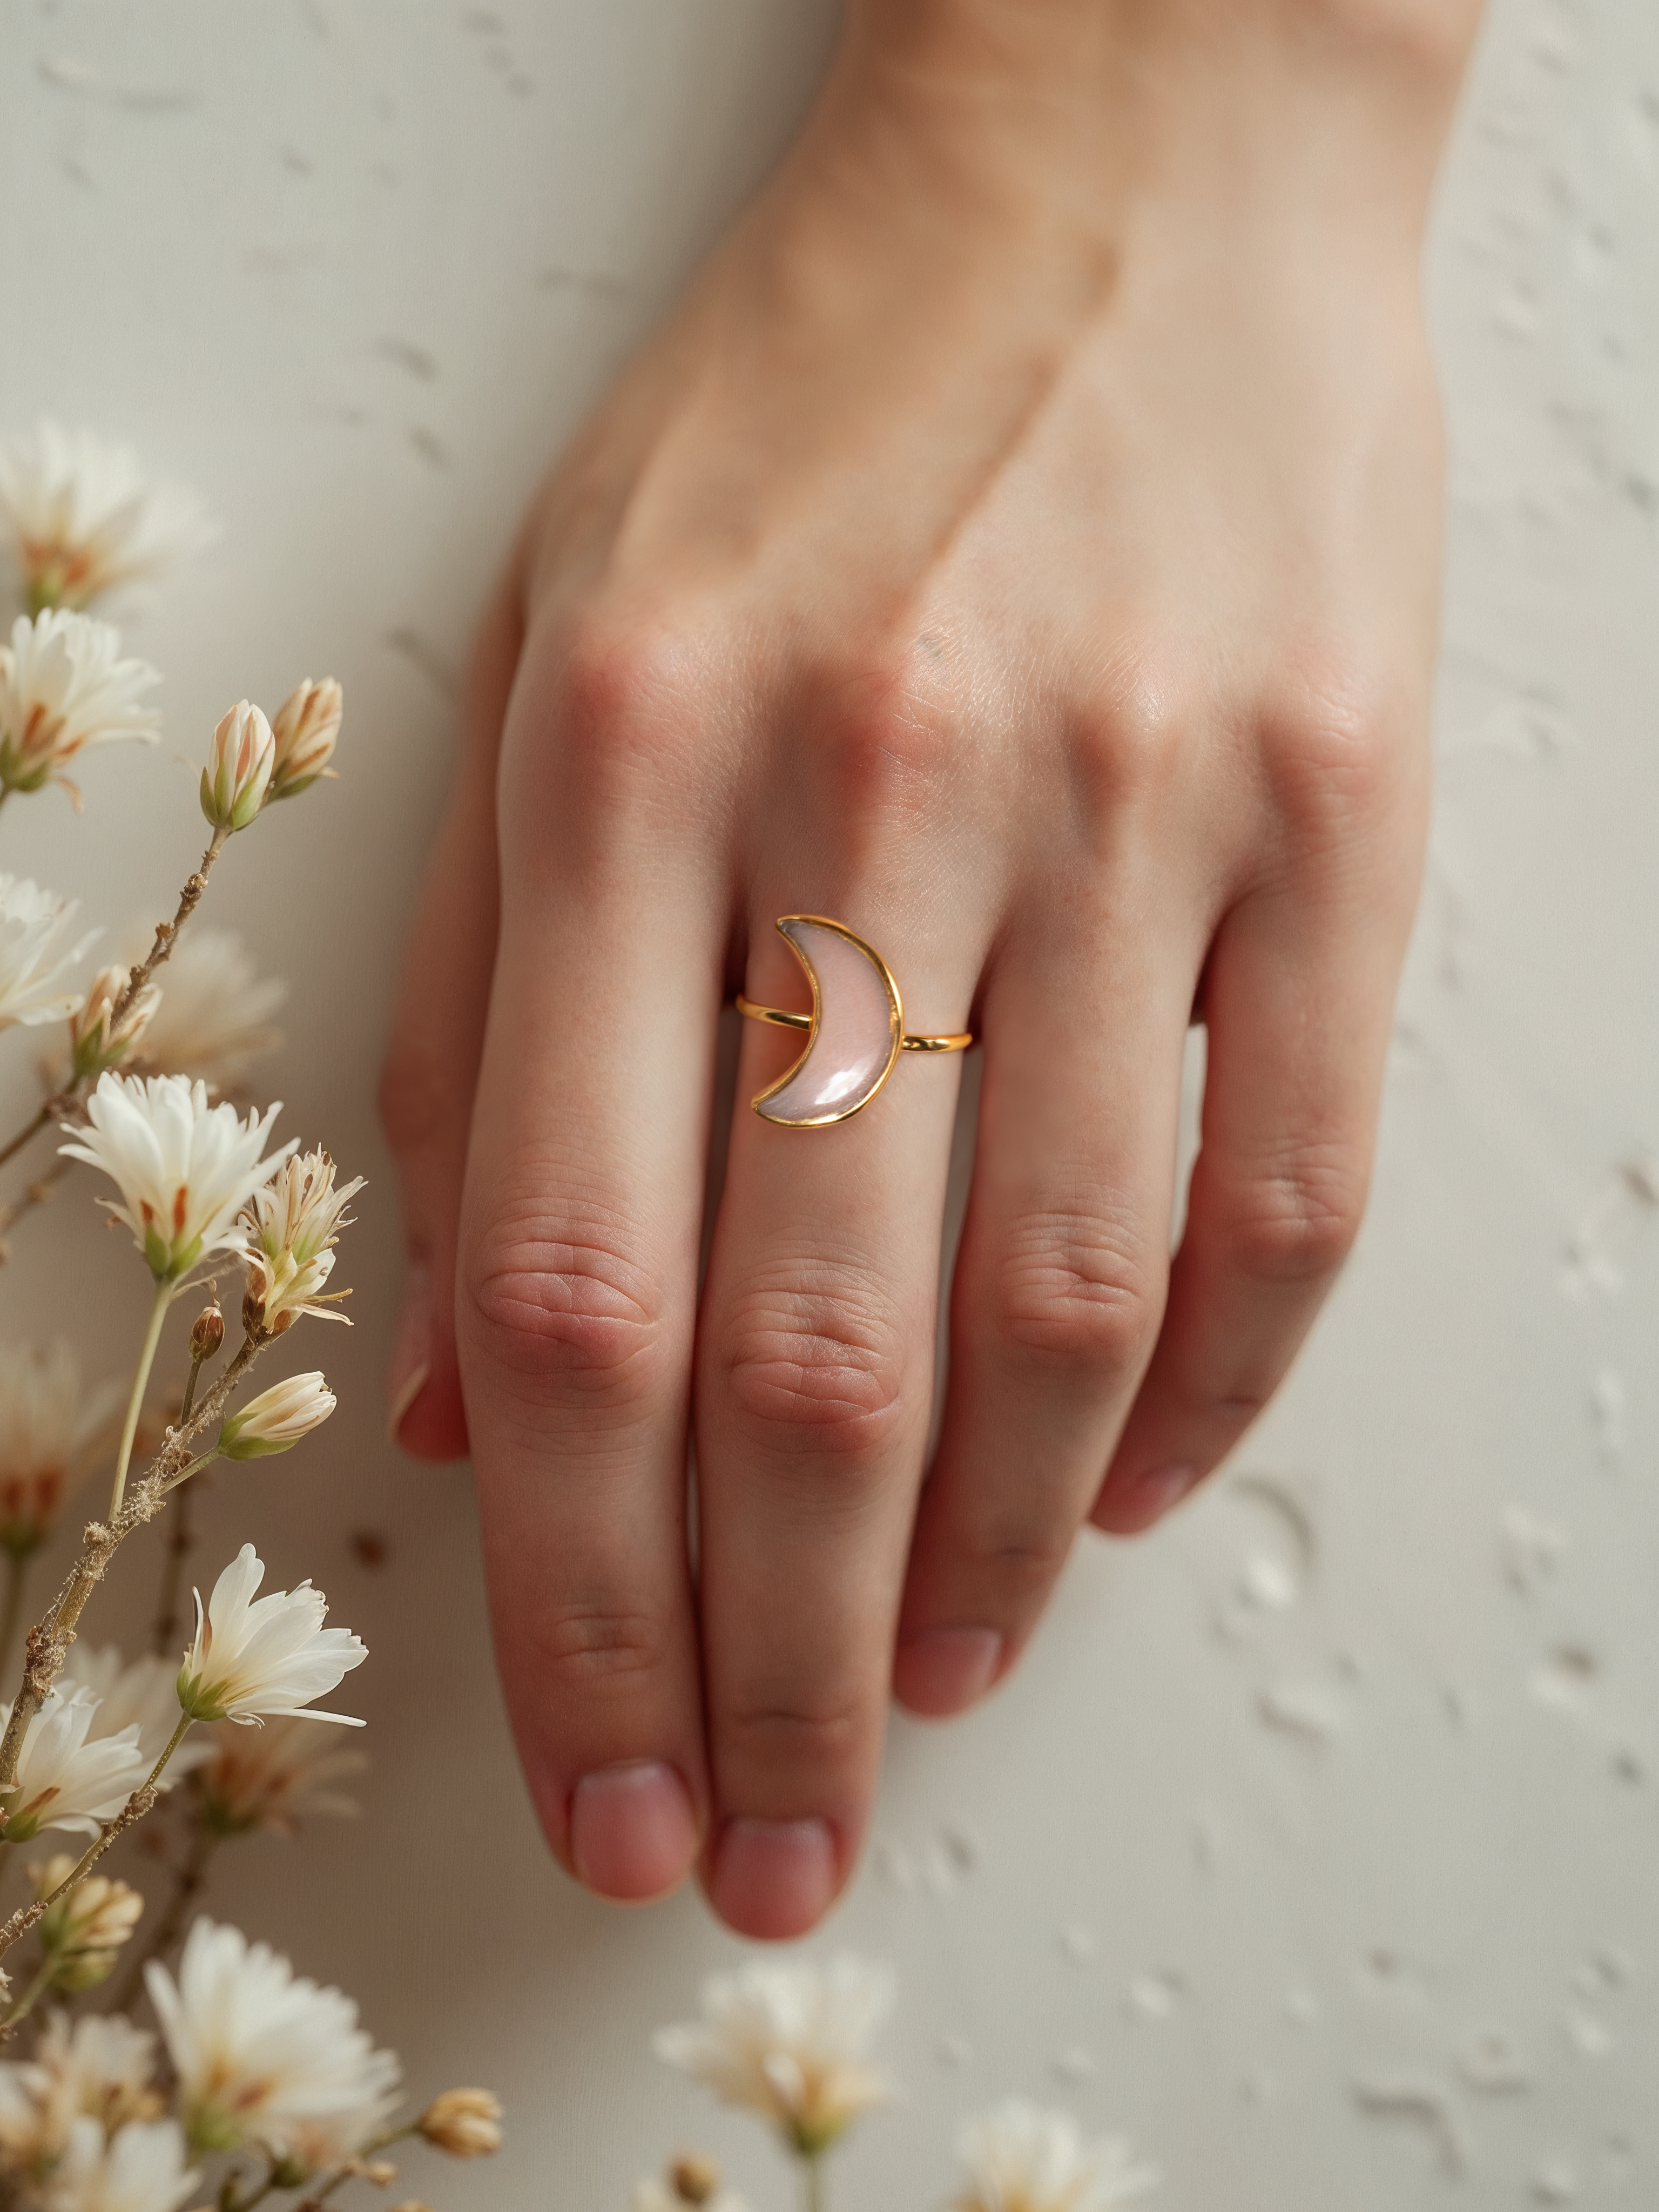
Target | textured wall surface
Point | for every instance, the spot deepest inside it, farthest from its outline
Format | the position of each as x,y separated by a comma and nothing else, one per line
1317,1845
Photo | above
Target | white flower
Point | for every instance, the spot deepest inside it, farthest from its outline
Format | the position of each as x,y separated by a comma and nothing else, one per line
140,2168
237,778
276,1421
295,1221
1020,2158
305,732
273,1776
264,2056
103,2070
33,958
269,1655
143,1695
63,685
83,520
66,1776
214,1020
97,1041
51,1428
184,1168
84,1931
786,2040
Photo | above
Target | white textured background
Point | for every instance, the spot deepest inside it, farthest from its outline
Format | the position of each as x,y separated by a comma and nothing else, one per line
1318,1844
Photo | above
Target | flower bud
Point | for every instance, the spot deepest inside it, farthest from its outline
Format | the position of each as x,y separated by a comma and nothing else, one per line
207,1332
237,778
466,2122
381,2172
694,2180
276,1421
82,1933
305,731
96,1042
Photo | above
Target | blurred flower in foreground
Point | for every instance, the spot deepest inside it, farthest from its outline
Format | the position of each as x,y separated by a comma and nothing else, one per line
63,685
140,2168
690,2181
1020,2158
263,2055
295,1220
84,1932
786,2040
184,1168
83,519
305,732
273,1776
214,1021
276,1421
33,958
141,1695
51,1428
101,2070
254,1656
465,2123
66,1777
237,779
97,1040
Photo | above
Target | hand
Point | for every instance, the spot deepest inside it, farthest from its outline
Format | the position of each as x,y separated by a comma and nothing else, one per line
1022,546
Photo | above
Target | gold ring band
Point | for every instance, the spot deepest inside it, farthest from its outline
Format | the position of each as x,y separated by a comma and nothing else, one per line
854,1033
781,1019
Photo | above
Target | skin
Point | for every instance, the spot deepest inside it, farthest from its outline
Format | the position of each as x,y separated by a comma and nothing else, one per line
1022,545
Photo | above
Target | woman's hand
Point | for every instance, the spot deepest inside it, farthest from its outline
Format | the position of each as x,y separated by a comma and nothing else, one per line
1022,546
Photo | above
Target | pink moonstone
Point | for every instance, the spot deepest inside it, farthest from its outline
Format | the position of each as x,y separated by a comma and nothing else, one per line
857,1035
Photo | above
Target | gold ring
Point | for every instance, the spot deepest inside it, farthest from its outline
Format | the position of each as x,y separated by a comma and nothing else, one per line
854,1033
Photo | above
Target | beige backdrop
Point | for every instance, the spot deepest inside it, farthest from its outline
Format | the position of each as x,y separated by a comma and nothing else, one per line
1316,1843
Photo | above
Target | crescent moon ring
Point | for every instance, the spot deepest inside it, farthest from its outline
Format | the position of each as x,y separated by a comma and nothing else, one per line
854,1033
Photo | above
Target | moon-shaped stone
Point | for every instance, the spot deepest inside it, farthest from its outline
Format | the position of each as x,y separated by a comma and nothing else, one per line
857,1023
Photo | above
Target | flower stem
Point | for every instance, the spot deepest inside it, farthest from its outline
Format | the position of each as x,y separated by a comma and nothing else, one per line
135,1809
25,2005
166,933
180,1540
188,1883
17,1576
191,1467
812,2190
158,1314
31,1128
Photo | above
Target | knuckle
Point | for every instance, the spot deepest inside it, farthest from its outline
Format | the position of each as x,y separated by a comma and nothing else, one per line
1021,1560
1075,1290
568,1309
1334,738
817,1736
587,1641
626,692
1297,1221
816,1364
888,739
1125,739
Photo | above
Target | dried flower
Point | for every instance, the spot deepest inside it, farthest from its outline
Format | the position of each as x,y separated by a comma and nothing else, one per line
466,2123
294,1222
1020,2158
207,1333
237,777
66,1776
786,2040
264,2056
273,1776
184,1168
276,1421
63,685
140,2168
83,519
215,1017
84,1931
97,1041
140,1696
270,1656
51,1429
101,2070
33,958
305,731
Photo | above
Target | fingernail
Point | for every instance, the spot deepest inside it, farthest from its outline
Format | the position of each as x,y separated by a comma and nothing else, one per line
1151,1495
943,1669
633,1831
775,1879
412,1350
